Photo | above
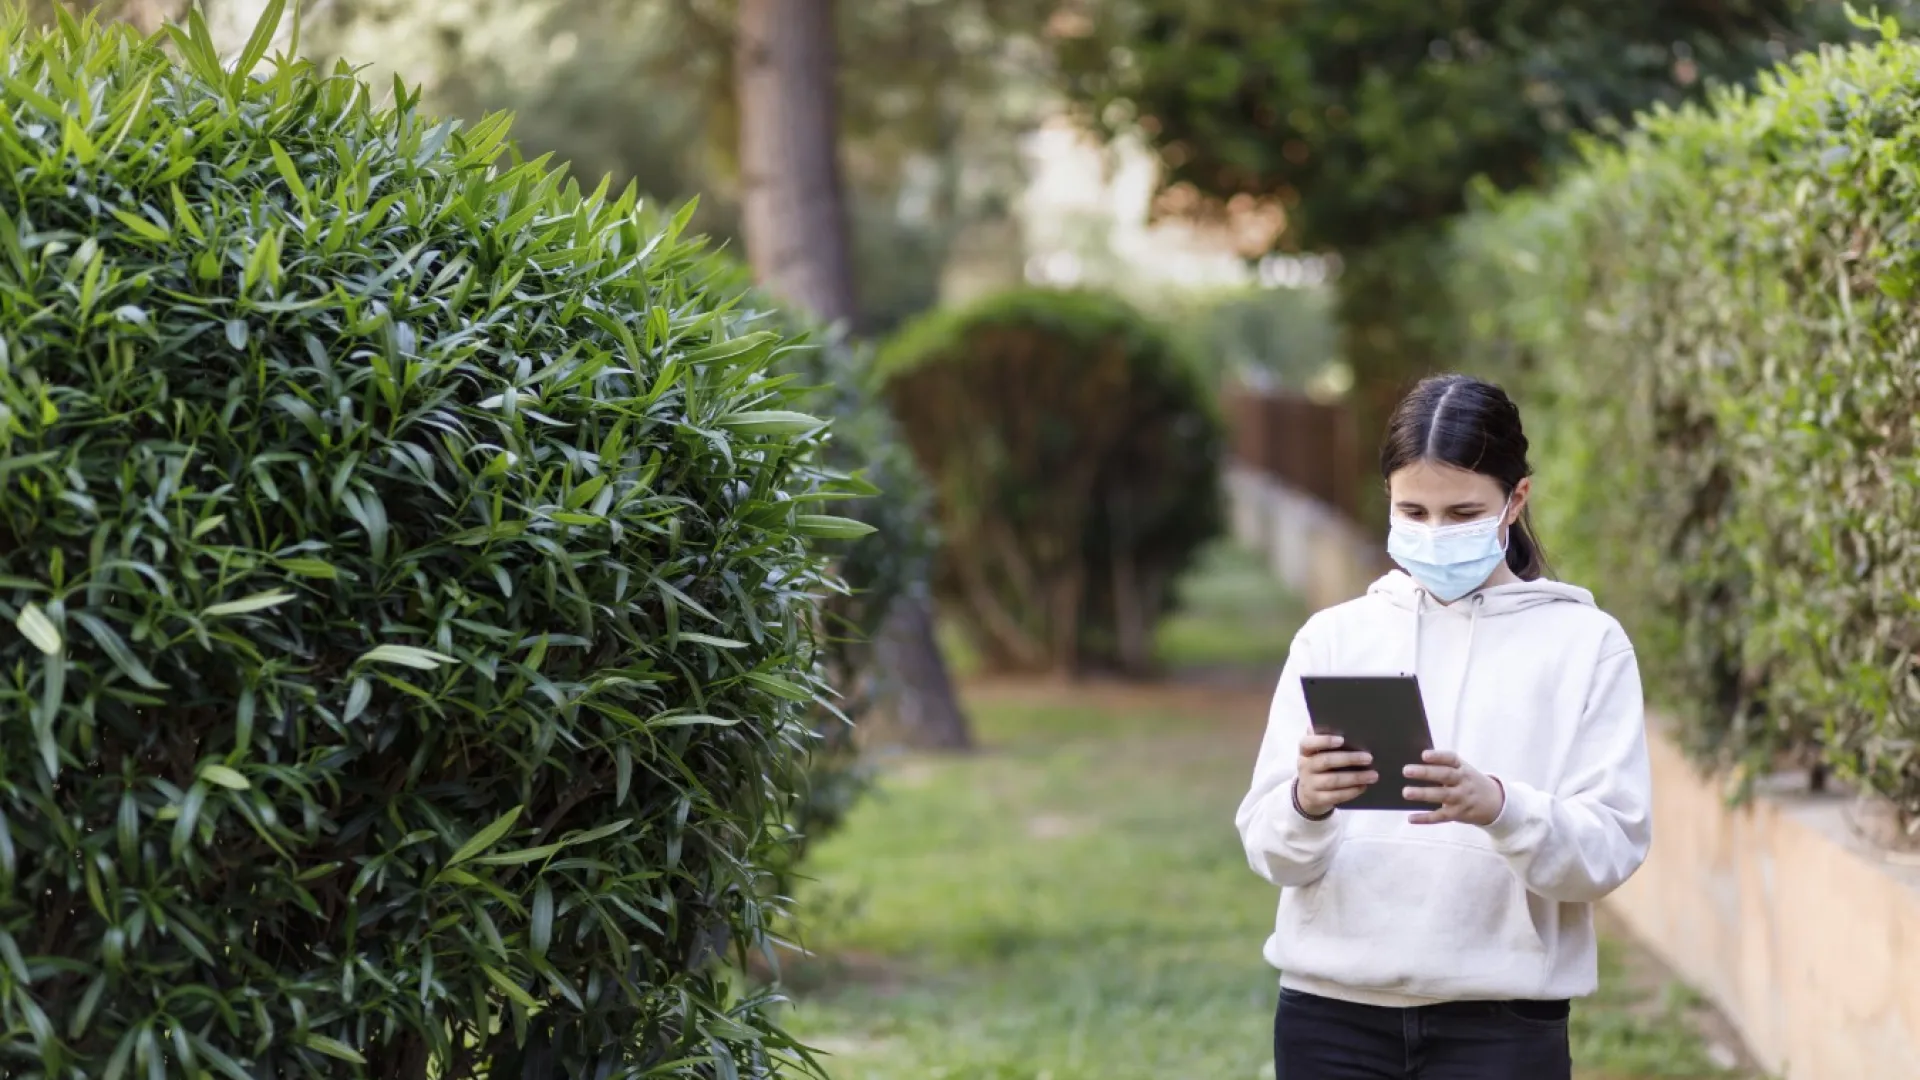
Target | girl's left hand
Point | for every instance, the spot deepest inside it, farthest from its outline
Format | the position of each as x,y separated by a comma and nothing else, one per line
1465,794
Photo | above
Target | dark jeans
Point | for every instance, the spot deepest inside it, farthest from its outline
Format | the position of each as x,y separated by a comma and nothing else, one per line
1316,1038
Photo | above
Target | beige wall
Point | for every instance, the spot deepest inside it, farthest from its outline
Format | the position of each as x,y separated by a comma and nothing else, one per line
1807,938
1312,549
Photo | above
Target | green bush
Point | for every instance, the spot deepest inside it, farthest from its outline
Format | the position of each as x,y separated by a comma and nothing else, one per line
892,560
1074,458
1713,330
411,558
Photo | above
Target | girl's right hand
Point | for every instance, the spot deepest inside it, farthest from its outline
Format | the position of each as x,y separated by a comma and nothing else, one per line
1321,784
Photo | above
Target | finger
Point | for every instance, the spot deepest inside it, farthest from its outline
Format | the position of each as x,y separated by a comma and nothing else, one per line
1330,761
1425,794
1353,781
1430,817
1441,757
1319,744
1341,798
1437,774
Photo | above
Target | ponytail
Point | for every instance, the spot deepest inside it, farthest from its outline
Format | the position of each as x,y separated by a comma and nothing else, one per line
1525,557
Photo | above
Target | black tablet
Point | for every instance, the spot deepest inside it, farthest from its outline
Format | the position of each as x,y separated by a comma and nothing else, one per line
1382,715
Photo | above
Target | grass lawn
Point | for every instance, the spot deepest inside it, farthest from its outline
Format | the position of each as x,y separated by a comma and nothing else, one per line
1072,903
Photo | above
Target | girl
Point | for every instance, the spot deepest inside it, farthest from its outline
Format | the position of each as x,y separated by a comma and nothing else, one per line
1446,944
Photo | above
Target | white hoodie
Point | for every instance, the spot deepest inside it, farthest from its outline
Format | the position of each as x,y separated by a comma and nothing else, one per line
1530,683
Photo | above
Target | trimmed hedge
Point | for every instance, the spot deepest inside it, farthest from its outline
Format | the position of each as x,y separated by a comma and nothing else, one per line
1713,329
1074,456
412,563
894,559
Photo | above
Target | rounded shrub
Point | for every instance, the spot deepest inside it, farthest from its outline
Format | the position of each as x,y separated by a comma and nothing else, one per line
874,568
412,563
1074,456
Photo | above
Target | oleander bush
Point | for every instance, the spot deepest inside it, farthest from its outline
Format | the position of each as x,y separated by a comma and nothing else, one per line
876,568
1074,456
415,601
1713,328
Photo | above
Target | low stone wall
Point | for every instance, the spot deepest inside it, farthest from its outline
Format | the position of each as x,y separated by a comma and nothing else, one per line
1799,931
1314,550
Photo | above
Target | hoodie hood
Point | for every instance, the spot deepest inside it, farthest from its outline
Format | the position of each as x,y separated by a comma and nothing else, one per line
1400,590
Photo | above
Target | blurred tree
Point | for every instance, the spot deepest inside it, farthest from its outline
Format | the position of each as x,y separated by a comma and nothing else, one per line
1366,120
797,239
932,96
790,185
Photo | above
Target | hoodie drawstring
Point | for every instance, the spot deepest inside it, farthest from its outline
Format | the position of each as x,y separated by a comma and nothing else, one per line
1466,658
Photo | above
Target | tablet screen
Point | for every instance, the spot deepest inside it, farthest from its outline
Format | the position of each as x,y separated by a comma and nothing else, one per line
1380,714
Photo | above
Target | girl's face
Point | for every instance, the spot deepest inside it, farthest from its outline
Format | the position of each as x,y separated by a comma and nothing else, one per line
1439,495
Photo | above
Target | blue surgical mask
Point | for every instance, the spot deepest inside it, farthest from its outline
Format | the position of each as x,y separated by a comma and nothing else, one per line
1449,561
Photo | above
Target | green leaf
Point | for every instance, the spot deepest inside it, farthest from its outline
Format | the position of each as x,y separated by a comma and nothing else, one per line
40,102
78,143
259,41
598,833
510,988
691,720
218,1058
225,777
828,527
116,649
519,858
256,602
141,226
333,1048
188,817
709,639
733,349
308,567
486,837
769,423
540,920
584,493
405,656
289,172
183,214
34,625
359,696
778,687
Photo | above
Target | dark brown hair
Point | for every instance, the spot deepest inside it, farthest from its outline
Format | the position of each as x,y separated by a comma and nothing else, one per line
1470,424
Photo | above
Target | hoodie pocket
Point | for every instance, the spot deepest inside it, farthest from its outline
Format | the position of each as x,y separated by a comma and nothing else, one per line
1424,918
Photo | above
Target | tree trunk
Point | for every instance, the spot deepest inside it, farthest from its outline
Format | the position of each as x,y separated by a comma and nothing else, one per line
795,212
796,223
918,691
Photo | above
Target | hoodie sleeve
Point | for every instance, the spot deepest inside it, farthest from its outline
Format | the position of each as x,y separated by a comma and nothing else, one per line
1581,842
1283,846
